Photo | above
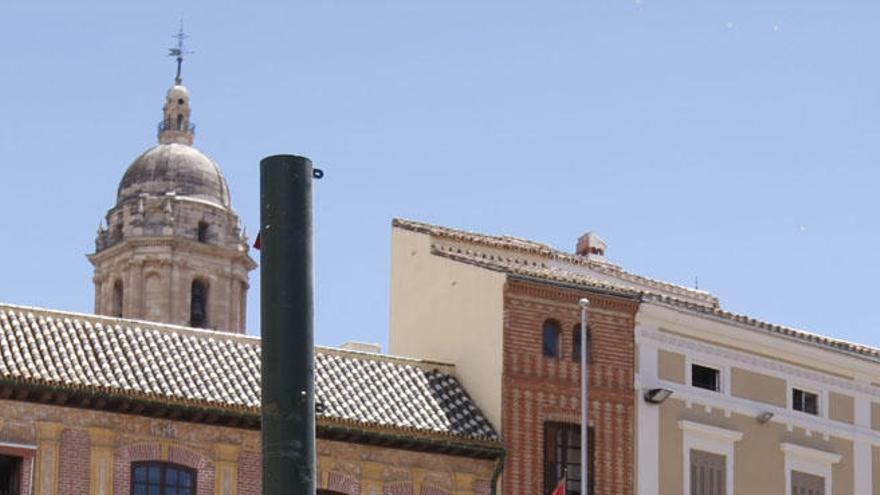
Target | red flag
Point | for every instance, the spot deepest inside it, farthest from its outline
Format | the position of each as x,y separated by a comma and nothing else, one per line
257,242
560,488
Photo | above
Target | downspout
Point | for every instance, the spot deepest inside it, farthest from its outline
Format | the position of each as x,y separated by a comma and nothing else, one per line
499,466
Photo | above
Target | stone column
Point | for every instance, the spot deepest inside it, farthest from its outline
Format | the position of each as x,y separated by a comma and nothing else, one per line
175,311
48,446
863,471
325,462
137,289
418,477
371,478
647,428
464,484
226,469
101,461
99,291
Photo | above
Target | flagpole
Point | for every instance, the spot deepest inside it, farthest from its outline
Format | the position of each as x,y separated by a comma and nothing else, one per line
584,303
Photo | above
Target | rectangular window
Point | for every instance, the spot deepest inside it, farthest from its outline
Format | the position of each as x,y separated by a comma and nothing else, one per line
562,457
10,475
162,478
804,401
708,473
807,484
705,377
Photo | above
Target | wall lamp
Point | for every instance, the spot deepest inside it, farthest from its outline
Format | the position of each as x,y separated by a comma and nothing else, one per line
764,417
657,395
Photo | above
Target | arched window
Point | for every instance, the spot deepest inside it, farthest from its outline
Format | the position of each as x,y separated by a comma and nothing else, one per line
179,122
551,339
198,306
576,344
117,298
202,233
162,478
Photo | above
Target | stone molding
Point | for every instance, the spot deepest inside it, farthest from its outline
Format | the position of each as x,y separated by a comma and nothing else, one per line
750,361
101,461
548,293
47,463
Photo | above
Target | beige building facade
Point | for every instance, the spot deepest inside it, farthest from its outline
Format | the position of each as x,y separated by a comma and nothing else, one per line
755,408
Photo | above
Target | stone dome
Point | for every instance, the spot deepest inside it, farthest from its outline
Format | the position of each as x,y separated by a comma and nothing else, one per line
178,168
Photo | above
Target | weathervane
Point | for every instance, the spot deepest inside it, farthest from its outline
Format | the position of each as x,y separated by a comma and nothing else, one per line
179,51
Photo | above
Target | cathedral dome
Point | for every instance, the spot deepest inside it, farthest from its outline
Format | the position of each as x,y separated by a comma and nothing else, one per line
178,168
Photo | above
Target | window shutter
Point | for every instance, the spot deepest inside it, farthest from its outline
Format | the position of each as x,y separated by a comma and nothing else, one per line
807,484
708,473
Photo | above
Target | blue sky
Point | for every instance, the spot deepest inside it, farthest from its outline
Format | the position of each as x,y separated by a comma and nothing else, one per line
733,142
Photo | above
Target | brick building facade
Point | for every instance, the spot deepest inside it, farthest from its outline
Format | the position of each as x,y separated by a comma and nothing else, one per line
489,303
86,400
541,390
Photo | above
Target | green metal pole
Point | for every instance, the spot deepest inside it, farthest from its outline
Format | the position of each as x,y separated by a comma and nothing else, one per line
287,316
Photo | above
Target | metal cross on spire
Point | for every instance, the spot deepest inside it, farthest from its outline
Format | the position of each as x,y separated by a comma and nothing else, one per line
179,51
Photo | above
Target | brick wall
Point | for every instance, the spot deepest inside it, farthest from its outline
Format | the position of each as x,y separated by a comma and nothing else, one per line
73,466
369,469
250,474
538,389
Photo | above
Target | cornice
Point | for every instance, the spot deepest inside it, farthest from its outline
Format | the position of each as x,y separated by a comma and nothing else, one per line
752,361
570,296
177,244
811,454
708,431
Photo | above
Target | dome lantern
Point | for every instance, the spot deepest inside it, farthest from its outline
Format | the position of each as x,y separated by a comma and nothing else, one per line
176,127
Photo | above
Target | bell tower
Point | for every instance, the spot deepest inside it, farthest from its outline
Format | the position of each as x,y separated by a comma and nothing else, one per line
173,250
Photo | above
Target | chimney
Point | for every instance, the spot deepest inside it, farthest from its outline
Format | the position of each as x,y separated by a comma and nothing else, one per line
591,246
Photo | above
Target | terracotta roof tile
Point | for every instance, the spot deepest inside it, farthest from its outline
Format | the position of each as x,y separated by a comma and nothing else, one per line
159,362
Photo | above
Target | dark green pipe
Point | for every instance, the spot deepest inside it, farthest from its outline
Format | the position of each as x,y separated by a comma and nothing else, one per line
287,321
499,466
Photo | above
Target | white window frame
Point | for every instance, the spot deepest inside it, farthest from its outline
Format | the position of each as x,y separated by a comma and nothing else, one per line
710,439
811,461
821,394
723,375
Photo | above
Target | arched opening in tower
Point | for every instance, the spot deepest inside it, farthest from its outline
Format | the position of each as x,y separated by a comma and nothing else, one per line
198,309
117,298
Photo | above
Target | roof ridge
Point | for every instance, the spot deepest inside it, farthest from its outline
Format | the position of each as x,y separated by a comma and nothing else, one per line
426,364
524,245
528,270
806,336
143,324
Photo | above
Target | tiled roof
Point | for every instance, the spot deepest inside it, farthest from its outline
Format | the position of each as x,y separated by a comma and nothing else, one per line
184,366
547,269
533,269
621,278
859,350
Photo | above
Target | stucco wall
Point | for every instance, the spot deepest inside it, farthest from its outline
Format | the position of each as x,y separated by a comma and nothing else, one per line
758,387
448,311
670,366
841,407
759,462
